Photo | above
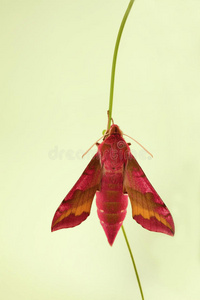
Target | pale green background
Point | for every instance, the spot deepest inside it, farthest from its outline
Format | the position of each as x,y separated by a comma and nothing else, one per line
55,72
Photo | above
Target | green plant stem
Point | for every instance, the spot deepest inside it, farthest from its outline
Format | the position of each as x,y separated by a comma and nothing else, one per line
110,116
115,60
133,261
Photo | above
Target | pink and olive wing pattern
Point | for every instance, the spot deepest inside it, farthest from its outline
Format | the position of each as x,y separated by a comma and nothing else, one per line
148,209
75,207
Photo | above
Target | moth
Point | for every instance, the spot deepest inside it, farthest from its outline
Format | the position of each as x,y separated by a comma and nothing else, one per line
114,175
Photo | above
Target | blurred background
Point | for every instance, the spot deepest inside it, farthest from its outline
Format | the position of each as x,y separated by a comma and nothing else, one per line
55,74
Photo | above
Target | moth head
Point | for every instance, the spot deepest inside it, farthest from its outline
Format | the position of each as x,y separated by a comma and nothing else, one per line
114,129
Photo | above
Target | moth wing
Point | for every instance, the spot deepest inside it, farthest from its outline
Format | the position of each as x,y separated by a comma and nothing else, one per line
75,207
148,209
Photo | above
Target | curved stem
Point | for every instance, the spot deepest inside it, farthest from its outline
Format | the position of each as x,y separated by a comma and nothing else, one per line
115,60
133,261
110,117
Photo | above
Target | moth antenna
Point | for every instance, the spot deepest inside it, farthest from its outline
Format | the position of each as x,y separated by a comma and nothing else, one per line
108,120
139,144
93,146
